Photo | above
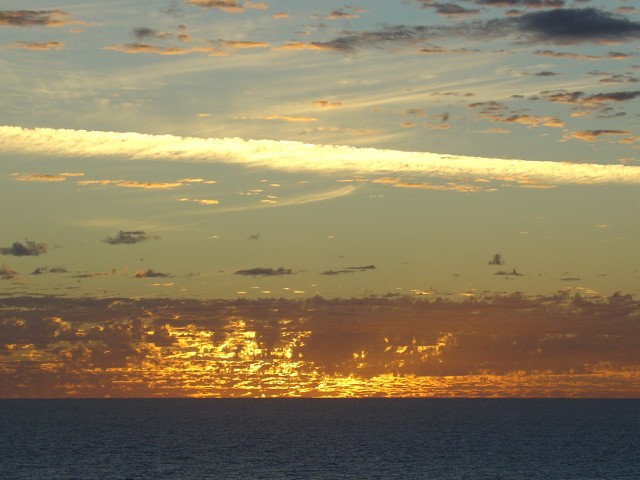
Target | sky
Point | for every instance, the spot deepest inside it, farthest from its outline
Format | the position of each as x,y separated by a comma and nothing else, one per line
400,165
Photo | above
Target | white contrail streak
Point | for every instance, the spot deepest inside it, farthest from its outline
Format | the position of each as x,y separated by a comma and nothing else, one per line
298,156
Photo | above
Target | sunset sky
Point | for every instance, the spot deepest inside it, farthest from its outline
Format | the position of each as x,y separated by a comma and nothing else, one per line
157,156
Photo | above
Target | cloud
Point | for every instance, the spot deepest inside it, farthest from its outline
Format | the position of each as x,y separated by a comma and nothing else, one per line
39,46
32,18
496,260
133,184
592,135
349,270
264,272
326,104
560,26
301,157
574,25
150,274
230,6
290,118
135,48
556,346
41,177
522,3
129,237
581,99
340,14
26,249
581,56
6,273
512,273
43,270
450,9
243,44
144,32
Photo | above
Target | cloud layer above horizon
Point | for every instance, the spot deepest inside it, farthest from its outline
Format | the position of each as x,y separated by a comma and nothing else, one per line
297,156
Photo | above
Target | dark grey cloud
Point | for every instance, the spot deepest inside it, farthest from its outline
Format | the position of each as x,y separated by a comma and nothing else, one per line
576,25
129,237
349,270
264,272
546,73
580,98
559,26
450,9
496,260
43,270
512,273
522,3
151,274
32,18
142,33
27,249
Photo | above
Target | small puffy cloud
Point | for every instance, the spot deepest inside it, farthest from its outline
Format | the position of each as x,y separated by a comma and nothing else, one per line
144,32
150,274
495,112
326,104
33,18
27,249
129,237
264,272
40,46
496,260
6,273
340,14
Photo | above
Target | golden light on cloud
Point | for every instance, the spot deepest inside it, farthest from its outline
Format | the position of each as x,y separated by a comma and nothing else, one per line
320,348
41,46
41,177
298,156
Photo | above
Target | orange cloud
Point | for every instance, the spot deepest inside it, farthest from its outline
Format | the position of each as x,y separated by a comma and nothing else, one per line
593,135
326,104
31,18
39,46
289,118
135,48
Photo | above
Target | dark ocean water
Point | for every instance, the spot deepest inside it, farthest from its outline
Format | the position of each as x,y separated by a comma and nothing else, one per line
320,439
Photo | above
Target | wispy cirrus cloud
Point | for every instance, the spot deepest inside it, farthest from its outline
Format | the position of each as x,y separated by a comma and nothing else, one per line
135,48
297,156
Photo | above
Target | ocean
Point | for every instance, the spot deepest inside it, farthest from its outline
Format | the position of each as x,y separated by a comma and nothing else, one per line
319,439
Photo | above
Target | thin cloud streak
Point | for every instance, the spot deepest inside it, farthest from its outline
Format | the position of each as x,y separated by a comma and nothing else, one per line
300,157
